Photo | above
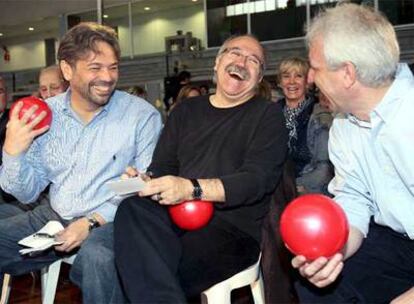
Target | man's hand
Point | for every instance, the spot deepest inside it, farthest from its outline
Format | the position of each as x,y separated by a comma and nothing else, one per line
320,272
20,134
405,298
168,190
73,235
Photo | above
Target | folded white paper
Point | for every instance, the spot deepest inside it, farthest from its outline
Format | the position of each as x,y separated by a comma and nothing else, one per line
42,239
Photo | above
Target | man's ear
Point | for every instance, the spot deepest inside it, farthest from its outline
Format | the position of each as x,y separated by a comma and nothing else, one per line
350,74
66,69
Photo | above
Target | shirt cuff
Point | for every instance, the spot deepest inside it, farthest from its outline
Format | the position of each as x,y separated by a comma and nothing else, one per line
106,211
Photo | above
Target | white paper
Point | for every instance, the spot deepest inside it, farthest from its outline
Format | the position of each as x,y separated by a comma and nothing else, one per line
36,243
126,186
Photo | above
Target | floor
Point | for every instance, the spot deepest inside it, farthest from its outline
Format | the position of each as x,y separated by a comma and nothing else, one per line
26,289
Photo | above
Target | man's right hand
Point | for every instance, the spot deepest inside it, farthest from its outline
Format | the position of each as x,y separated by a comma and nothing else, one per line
320,272
20,134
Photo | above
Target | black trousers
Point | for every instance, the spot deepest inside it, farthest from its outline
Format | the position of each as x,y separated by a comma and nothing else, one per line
382,269
158,263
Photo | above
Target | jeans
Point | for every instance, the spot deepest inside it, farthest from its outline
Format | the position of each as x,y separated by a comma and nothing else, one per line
93,270
158,263
11,208
13,229
379,271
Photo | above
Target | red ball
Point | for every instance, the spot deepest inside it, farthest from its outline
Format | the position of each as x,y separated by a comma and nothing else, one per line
30,101
313,225
191,215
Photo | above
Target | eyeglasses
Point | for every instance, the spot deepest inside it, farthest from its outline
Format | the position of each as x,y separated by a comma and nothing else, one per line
236,53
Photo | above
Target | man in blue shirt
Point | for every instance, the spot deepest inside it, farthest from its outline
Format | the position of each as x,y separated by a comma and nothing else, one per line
354,57
96,132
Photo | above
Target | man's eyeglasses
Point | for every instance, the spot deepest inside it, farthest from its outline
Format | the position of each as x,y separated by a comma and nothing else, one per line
237,53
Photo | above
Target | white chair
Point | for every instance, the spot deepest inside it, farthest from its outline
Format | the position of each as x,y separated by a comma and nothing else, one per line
49,279
221,292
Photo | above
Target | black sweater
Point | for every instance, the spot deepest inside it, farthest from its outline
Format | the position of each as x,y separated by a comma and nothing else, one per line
243,146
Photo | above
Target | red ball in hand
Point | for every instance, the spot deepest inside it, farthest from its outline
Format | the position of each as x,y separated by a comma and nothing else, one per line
313,225
191,215
30,101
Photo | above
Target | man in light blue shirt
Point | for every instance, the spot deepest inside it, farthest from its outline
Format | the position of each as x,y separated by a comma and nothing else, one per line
354,57
96,132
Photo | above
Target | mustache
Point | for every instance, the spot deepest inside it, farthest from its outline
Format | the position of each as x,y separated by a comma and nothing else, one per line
241,71
102,83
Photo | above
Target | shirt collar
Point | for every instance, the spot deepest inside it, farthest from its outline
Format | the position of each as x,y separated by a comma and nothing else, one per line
68,109
384,110
402,82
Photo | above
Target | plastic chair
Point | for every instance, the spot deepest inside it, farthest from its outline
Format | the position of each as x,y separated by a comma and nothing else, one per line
49,279
221,292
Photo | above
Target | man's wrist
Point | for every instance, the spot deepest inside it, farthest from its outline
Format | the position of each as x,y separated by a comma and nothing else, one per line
197,193
92,222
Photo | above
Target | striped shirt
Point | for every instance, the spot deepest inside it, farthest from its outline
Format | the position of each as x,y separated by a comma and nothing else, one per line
77,159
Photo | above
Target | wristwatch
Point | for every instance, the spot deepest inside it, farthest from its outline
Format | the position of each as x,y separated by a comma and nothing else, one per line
93,222
197,191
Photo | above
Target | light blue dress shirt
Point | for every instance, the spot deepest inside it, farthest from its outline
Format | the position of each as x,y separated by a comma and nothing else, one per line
374,161
77,159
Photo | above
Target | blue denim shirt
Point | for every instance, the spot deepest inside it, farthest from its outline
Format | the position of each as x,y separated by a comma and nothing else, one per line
77,159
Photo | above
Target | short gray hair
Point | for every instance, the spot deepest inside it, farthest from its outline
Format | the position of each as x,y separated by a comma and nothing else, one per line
357,34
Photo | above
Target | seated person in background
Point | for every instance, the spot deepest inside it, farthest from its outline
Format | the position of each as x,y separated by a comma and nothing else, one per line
354,57
204,89
76,156
138,91
4,112
317,174
8,204
51,82
228,148
297,108
186,91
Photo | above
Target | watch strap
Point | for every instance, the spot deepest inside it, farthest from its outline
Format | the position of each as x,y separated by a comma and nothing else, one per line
93,222
197,191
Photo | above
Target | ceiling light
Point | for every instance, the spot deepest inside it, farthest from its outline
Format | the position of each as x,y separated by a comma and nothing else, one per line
106,16
147,8
31,28
194,0
1,34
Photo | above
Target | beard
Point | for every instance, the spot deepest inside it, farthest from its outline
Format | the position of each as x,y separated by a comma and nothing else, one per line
97,92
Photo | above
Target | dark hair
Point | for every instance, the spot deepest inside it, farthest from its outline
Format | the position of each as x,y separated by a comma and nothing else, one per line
184,75
83,38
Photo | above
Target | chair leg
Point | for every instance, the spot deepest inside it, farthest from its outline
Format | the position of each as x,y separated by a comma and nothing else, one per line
5,290
258,290
50,276
216,296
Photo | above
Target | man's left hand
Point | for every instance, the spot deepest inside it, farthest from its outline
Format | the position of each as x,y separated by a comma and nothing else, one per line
73,235
168,190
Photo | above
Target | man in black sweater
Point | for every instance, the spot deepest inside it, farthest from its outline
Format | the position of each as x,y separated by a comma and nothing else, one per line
227,148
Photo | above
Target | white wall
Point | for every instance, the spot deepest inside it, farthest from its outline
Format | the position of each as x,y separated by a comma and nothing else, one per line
150,30
24,56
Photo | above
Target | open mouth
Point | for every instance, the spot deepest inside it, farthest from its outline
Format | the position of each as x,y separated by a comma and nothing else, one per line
237,73
102,90
236,76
